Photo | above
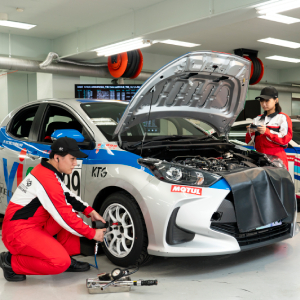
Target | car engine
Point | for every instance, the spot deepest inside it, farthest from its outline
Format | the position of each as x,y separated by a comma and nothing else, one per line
203,168
229,161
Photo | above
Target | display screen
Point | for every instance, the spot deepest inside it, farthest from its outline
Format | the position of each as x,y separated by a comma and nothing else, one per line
123,92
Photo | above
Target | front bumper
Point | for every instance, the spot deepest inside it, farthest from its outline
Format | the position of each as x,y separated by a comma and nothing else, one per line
197,230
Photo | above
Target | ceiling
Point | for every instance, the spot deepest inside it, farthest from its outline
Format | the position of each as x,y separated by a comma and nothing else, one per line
216,34
55,18
239,28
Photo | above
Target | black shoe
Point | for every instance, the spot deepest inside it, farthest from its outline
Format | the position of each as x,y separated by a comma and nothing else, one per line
8,272
78,266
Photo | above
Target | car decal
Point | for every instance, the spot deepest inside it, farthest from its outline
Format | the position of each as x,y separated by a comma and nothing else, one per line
9,179
99,171
290,157
221,185
114,157
297,168
186,189
109,146
17,168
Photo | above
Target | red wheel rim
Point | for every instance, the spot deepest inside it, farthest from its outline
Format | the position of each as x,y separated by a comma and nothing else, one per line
140,67
118,64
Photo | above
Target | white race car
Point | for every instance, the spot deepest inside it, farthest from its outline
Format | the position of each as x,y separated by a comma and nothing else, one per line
165,186
237,135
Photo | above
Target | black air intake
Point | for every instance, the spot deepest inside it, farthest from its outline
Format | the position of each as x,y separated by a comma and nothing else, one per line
176,235
254,236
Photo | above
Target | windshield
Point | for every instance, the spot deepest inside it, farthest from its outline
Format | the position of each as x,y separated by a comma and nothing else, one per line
106,116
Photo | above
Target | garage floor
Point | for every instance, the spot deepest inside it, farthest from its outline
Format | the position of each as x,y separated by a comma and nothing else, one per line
271,272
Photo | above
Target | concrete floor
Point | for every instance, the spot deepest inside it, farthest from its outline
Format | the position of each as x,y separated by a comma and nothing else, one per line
271,272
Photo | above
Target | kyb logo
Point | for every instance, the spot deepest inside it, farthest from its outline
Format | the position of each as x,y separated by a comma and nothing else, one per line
185,189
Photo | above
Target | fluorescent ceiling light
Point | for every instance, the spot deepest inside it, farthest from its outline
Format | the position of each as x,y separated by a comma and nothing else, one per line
179,43
280,18
282,43
278,7
283,58
16,24
124,46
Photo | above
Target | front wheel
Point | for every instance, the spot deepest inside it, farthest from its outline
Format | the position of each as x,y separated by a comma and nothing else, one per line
125,242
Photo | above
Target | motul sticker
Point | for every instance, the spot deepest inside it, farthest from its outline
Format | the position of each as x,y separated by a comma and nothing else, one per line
186,189
290,157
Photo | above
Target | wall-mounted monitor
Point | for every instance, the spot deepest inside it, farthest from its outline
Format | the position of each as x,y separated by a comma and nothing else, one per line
123,92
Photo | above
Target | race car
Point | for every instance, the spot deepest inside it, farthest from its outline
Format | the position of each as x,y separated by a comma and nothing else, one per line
238,132
164,186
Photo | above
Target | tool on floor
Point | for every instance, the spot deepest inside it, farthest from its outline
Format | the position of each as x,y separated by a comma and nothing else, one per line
115,282
98,225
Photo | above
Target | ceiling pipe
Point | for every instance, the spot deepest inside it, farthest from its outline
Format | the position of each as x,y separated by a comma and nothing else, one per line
54,57
101,72
60,68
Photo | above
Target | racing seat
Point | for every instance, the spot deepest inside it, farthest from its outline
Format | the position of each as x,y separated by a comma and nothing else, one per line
75,125
52,127
25,129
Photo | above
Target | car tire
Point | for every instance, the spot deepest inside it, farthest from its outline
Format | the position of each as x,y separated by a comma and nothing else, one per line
126,241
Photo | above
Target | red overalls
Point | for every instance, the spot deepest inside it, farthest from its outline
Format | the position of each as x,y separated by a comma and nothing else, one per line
277,136
41,207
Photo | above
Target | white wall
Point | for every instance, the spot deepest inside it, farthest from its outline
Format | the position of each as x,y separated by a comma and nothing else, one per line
3,97
271,76
64,86
285,101
32,90
56,86
17,90
44,85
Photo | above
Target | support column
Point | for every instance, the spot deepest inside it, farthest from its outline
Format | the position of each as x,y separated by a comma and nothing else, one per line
44,86
3,97
64,86
56,86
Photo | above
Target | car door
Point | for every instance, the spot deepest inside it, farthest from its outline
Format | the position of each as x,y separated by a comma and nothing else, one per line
58,116
15,152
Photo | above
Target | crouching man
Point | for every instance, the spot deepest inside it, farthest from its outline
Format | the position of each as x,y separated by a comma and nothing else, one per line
41,207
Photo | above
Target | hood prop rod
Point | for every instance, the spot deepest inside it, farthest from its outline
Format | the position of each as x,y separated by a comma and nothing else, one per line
120,139
226,136
151,91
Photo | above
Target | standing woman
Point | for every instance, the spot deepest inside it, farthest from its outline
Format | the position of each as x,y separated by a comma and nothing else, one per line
274,128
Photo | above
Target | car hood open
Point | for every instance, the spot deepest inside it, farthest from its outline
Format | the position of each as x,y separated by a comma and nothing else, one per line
205,85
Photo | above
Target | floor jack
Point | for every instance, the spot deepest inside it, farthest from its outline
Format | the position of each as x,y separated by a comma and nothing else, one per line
118,280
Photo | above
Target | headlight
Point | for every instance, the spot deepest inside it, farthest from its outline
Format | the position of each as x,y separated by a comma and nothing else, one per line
176,173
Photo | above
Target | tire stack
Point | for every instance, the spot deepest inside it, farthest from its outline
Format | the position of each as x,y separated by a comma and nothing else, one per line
257,69
127,64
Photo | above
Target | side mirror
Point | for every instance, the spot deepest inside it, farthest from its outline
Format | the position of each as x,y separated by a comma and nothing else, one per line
71,133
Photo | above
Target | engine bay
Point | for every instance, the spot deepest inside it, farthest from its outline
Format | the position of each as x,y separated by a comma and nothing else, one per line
201,164
209,155
227,162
